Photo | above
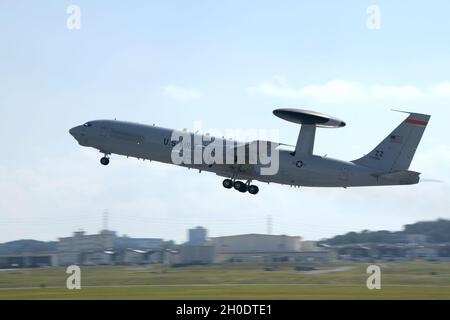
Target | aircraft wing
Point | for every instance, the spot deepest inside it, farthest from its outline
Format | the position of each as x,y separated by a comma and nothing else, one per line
251,149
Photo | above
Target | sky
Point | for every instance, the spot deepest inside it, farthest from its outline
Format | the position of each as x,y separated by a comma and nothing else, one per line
227,64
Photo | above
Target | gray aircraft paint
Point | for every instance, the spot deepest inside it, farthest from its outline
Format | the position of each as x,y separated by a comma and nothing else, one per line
387,164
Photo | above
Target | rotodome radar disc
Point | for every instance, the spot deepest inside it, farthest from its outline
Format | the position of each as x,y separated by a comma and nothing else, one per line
307,117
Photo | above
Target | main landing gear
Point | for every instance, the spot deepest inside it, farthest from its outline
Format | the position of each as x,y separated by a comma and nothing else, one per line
105,160
240,186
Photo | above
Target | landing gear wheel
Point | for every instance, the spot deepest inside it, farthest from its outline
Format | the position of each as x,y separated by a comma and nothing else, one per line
253,189
239,185
244,188
104,161
227,183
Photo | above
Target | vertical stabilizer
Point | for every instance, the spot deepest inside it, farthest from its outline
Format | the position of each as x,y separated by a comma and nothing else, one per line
397,150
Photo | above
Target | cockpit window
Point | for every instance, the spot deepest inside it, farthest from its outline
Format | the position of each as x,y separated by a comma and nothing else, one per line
87,124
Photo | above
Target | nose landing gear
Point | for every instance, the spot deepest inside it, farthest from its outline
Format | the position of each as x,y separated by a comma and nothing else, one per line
105,160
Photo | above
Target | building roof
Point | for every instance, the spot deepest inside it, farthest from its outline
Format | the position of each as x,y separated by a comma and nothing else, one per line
256,234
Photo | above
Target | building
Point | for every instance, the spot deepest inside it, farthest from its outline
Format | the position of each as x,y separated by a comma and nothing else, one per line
197,236
108,248
256,243
265,248
29,260
75,249
422,252
97,258
418,239
197,250
134,256
278,257
392,252
310,246
191,254
27,253
138,243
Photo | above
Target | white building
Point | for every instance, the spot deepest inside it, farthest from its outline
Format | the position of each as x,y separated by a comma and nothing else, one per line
256,243
73,250
197,254
257,248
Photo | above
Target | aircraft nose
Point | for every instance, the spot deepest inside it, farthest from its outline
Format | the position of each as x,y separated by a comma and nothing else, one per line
75,131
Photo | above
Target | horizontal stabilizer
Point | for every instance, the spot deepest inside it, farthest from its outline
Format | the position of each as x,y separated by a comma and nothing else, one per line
400,176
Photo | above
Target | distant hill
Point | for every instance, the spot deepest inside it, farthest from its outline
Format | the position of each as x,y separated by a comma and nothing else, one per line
435,232
21,246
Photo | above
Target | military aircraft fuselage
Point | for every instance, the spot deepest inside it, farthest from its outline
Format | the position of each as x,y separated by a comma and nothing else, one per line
293,168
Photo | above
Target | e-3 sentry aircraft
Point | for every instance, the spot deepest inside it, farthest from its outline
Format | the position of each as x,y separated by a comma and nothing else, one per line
387,164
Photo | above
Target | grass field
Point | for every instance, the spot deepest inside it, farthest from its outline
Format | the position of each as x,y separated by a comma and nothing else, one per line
400,280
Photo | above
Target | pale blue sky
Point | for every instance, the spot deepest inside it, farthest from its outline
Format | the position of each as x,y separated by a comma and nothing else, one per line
228,64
